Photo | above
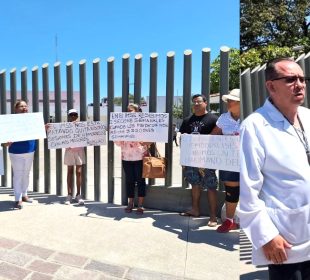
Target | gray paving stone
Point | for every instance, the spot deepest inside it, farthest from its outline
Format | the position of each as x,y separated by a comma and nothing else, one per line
35,251
107,269
15,257
12,272
8,243
140,274
73,273
69,259
44,267
40,276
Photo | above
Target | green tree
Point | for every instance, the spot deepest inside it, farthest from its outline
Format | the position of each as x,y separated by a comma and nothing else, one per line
177,111
259,56
234,68
282,23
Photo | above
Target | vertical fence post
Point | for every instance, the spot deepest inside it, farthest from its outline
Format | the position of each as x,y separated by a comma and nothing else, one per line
96,117
169,110
255,88
46,115
246,100
137,78
24,84
153,94
12,89
205,74
301,61
35,108
125,100
187,88
3,112
83,117
110,89
224,75
69,75
58,113
261,85
307,74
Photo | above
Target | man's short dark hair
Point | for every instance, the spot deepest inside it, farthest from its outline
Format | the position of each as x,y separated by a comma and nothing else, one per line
199,95
271,72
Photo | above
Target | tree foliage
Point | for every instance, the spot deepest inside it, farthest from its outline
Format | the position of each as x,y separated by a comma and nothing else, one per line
234,68
282,23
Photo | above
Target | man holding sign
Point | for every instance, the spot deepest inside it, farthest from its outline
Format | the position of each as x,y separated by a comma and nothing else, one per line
201,122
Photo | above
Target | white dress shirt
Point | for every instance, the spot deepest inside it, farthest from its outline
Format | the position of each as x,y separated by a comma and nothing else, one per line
275,182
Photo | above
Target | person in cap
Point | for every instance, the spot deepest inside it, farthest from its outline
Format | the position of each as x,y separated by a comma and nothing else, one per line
274,204
229,124
74,157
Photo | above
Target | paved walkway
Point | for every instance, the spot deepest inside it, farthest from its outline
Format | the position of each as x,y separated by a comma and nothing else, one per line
50,240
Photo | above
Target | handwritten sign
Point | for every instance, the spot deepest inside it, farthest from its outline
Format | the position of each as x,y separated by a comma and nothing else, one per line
76,134
21,127
1,162
147,127
210,151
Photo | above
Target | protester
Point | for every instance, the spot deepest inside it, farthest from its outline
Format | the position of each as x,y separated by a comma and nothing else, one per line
175,134
275,175
229,124
132,156
74,157
201,122
21,156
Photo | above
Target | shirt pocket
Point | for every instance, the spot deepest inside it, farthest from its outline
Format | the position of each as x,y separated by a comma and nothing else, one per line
293,224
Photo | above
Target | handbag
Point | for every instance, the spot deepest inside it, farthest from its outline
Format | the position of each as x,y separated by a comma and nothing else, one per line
154,166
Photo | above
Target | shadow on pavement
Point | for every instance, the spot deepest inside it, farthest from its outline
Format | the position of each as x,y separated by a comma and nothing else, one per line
256,275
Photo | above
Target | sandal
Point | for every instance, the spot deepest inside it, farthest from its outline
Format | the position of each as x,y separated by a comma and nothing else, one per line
129,208
212,223
140,210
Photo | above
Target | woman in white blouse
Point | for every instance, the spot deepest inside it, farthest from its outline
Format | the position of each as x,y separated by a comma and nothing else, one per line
229,124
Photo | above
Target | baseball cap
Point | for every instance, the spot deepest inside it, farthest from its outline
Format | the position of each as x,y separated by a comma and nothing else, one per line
72,111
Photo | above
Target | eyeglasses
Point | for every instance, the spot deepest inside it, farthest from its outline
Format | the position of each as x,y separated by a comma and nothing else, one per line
197,102
292,79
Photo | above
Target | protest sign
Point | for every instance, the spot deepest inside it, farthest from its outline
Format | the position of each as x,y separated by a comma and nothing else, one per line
1,162
21,127
76,134
210,151
147,127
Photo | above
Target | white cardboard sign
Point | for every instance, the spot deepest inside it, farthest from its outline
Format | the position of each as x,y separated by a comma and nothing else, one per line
147,127
76,134
21,127
210,151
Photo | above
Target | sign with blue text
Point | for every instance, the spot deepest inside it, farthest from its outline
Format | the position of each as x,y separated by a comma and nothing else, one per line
147,127
76,134
210,151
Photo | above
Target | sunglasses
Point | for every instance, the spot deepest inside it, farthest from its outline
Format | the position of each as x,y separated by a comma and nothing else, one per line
73,115
292,79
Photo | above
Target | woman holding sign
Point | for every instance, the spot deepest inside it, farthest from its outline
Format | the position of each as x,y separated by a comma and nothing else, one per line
132,156
21,156
229,124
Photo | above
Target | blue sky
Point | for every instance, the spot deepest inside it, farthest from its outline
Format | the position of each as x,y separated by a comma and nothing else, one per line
103,28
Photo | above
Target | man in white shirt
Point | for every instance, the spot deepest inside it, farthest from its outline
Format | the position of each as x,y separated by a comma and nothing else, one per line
275,175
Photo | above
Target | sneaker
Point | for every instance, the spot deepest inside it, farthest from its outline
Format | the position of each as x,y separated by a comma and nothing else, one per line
79,200
68,199
226,226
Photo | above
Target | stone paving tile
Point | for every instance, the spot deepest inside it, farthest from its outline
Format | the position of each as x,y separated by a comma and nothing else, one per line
35,251
12,272
73,273
107,269
140,274
15,257
69,259
8,243
39,276
44,267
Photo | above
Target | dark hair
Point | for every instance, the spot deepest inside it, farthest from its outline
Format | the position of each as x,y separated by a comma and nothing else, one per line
17,103
271,71
199,95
